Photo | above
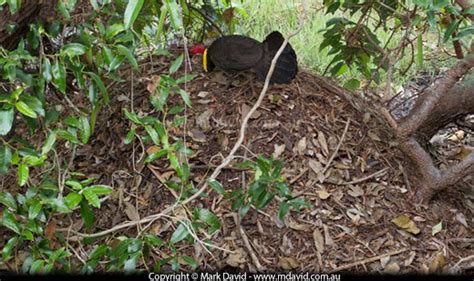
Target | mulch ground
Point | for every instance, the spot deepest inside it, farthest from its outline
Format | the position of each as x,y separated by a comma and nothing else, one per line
340,159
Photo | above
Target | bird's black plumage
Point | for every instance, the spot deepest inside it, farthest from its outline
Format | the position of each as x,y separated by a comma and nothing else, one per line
236,53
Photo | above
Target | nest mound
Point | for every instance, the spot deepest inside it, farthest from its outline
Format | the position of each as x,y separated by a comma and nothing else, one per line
337,156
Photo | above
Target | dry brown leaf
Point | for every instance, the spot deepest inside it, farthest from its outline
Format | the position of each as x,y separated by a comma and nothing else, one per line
131,212
296,226
405,223
203,120
301,146
327,236
288,263
286,245
323,195
236,258
366,118
219,77
50,229
152,149
318,241
155,81
410,259
279,149
373,136
384,261
323,142
317,168
355,191
461,219
392,268
203,94
228,15
438,262
463,153
223,141
197,135
246,109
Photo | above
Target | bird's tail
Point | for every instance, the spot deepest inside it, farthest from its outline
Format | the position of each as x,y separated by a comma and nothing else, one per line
286,66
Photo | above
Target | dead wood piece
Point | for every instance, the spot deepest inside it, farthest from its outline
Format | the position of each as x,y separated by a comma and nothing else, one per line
445,102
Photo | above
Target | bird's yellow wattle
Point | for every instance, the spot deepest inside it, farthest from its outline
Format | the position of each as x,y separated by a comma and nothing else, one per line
204,60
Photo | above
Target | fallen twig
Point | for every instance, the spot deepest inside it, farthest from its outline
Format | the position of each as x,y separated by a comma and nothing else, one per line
252,254
358,180
338,146
364,261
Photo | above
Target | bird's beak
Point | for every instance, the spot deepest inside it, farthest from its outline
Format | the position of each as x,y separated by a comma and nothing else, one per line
204,60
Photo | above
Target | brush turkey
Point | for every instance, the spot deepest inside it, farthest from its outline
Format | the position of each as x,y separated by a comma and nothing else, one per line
234,53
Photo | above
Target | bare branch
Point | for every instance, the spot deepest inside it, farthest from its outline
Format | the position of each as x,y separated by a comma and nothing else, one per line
422,112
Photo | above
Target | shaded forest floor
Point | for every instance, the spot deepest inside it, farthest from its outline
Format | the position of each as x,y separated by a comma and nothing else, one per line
308,125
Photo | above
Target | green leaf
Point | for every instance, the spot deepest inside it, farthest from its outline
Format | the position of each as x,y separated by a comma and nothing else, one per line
130,264
175,14
34,210
68,136
59,76
25,109
283,210
179,234
91,197
352,84
153,240
217,186
74,184
100,189
14,5
8,248
35,104
98,252
121,49
176,64
209,218
190,261
7,199
98,82
23,174
37,266
131,12
155,155
87,214
132,117
419,51
437,228
6,121
49,143
113,30
130,135
5,159
57,254
72,200
184,95
451,28
74,49
9,222
85,129
153,134
185,78
46,70
27,235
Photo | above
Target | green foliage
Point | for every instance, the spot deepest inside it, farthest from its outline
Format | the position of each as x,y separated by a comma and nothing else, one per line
266,184
28,217
351,36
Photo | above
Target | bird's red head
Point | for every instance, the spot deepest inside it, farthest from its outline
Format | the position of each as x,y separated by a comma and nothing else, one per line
197,49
